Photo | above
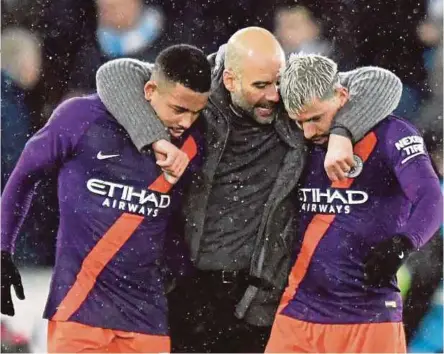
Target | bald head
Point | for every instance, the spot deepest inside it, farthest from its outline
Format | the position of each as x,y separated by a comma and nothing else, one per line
253,62
252,44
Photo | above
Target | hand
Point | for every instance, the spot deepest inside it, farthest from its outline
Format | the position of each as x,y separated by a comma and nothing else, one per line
339,159
385,259
172,160
10,276
169,178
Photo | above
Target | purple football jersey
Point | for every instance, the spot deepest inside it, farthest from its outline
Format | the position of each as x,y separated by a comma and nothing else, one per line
115,205
392,189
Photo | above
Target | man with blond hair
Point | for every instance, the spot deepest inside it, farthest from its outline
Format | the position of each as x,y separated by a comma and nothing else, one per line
342,294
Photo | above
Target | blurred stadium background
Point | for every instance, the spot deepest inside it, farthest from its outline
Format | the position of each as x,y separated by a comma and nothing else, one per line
52,49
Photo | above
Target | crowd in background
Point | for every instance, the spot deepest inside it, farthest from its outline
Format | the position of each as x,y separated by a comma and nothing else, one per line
52,49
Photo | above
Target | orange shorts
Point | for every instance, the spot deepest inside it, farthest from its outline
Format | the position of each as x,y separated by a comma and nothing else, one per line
290,335
73,337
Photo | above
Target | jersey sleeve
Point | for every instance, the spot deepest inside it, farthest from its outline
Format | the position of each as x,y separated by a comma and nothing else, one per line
45,151
408,158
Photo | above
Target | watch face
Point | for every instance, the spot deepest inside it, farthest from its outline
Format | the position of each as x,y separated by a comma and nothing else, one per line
357,169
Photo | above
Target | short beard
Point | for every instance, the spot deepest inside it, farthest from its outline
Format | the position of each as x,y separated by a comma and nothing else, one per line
244,108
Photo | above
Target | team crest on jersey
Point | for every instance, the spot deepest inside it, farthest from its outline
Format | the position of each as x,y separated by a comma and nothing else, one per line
357,169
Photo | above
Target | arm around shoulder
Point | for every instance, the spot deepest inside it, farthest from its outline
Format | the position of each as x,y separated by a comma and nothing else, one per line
120,85
373,94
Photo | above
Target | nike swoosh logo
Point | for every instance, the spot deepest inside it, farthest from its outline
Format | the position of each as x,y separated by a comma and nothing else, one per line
401,256
101,156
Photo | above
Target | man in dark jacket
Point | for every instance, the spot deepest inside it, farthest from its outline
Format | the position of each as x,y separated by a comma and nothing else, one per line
239,215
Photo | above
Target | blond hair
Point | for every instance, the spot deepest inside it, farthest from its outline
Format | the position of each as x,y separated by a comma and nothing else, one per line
307,77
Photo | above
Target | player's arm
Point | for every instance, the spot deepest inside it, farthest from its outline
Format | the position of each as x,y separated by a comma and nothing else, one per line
120,85
46,150
407,157
373,94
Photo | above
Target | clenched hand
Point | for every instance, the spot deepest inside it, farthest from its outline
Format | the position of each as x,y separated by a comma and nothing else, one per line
171,159
339,159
